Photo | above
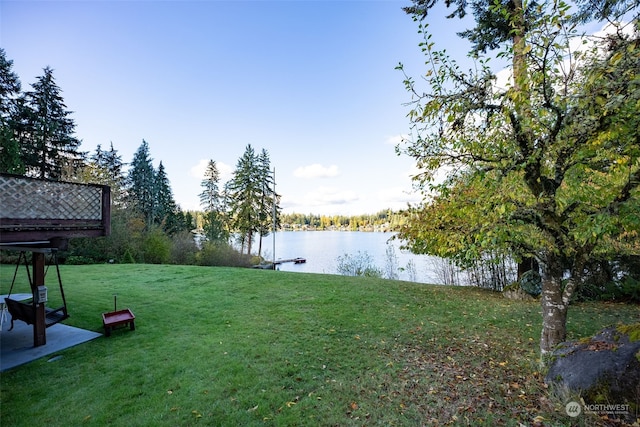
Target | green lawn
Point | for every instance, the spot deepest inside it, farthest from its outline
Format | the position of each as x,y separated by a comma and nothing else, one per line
222,346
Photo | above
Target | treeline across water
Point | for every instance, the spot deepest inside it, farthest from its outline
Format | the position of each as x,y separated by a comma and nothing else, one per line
384,220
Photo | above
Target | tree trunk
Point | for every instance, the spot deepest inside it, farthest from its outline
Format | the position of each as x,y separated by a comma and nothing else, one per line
249,240
554,306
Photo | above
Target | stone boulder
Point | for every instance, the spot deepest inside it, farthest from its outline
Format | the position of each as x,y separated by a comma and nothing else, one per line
516,293
528,287
603,369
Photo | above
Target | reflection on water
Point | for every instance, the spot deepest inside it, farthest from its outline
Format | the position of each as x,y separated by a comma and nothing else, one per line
321,249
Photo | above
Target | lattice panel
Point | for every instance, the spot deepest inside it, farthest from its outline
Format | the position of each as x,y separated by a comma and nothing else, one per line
35,199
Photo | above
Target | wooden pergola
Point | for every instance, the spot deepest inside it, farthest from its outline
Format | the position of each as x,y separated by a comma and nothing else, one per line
40,216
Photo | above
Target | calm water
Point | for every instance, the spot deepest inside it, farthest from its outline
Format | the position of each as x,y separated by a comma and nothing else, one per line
321,249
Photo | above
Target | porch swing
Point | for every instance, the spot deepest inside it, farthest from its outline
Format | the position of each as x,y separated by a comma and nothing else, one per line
27,311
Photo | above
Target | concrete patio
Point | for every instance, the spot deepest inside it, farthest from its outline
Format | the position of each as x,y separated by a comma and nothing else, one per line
16,346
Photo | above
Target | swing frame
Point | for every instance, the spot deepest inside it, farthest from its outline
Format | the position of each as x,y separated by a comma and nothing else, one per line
27,311
40,216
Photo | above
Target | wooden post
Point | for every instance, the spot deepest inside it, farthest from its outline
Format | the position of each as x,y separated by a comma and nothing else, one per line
39,327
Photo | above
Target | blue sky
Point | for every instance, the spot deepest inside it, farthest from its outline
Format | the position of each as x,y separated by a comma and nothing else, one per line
312,82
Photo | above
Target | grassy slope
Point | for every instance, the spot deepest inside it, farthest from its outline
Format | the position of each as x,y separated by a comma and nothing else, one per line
219,346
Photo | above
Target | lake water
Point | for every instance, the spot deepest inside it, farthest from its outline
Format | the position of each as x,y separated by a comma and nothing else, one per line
321,249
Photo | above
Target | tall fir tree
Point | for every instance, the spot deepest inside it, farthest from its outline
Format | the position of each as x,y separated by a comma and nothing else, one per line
10,159
210,197
244,192
167,213
48,146
141,185
212,202
112,162
106,167
268,206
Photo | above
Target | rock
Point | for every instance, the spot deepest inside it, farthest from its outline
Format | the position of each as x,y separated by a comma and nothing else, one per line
531,283
515,292
604,369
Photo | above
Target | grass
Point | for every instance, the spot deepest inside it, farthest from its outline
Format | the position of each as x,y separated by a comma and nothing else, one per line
223,346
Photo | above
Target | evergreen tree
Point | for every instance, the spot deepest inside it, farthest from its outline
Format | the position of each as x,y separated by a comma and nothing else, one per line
244,192
10,159
141,185
113,164
47,143
189,221
166,212
251,197
268,197
210,197
105,167
212,202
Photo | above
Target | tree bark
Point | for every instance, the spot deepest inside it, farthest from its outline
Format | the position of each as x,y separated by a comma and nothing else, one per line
554,306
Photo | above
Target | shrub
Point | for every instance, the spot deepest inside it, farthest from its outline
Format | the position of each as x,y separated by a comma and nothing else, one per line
391,266
183,248
156,247
128,258
78,260
221,254
360,264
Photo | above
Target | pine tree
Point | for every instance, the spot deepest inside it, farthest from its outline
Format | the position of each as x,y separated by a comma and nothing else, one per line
141,185
188,221
105,167
212,202
244,192
251,196
210,198
10,159
268,197
167,212
47,143
113,164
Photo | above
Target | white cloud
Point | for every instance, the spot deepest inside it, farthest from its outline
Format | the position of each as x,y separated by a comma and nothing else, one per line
322,200
316,171
330,196
199,169
337,201
397,197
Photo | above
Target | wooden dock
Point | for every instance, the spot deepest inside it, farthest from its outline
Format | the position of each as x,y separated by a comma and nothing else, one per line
297,260
273,265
